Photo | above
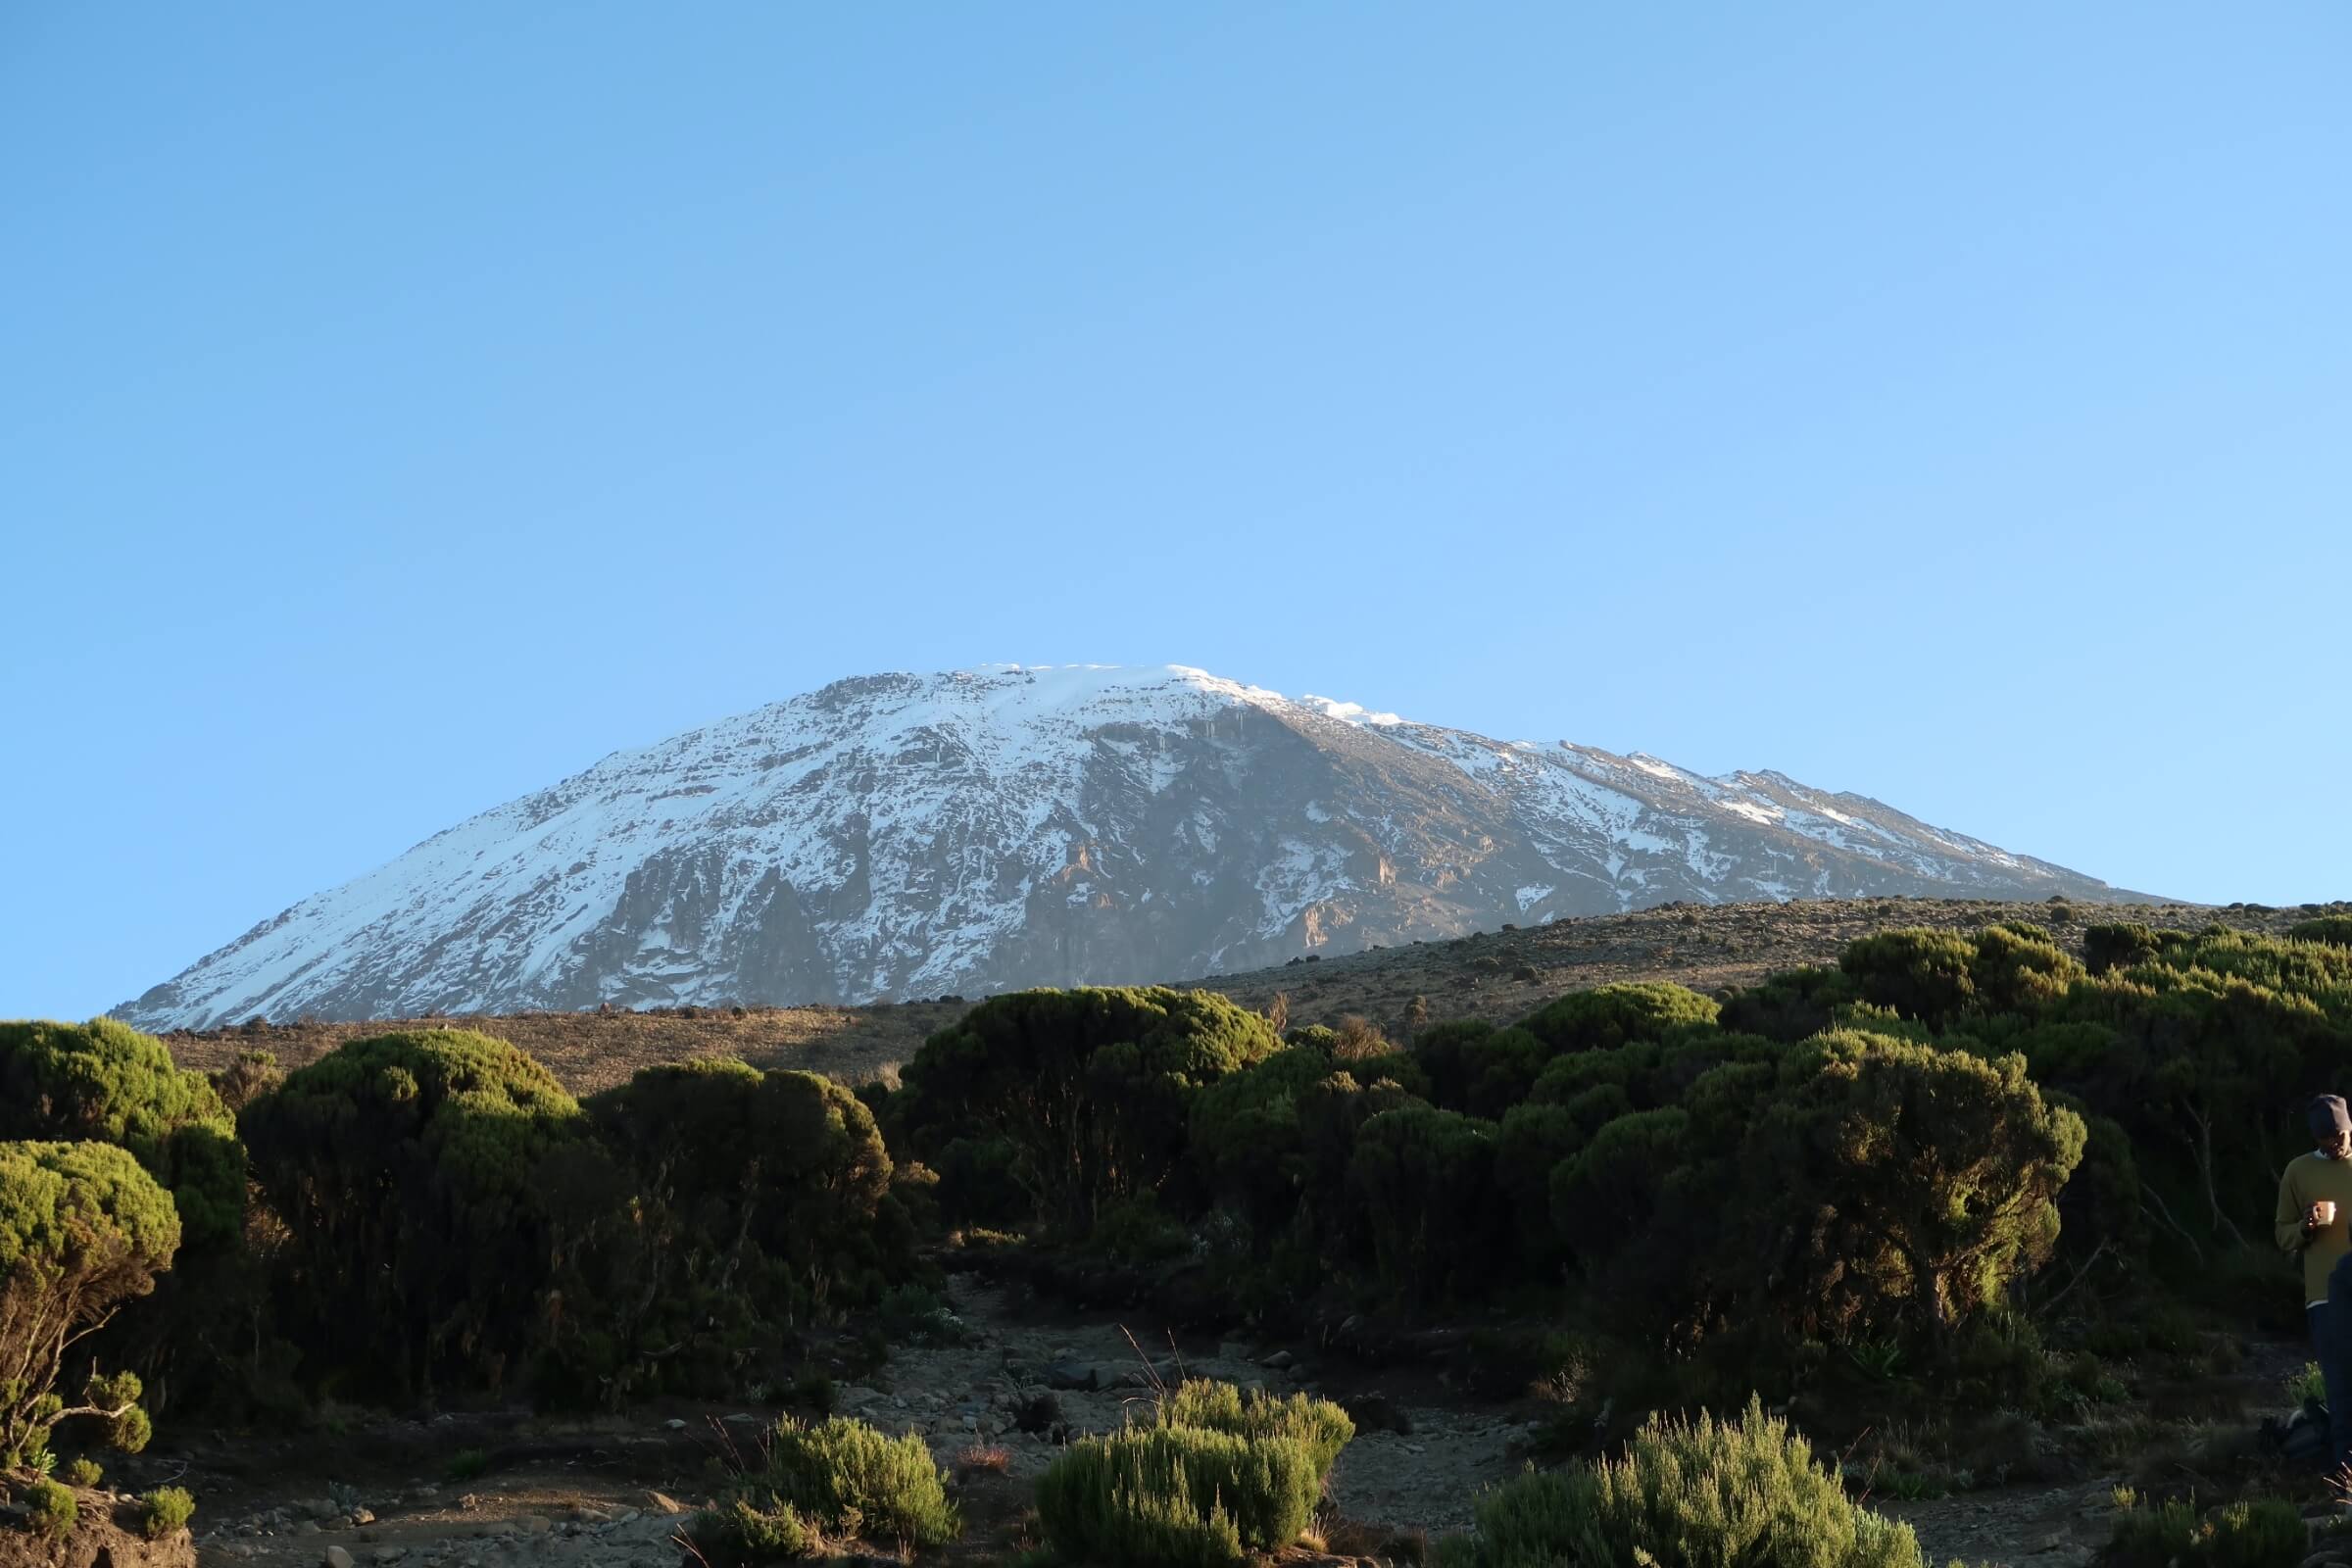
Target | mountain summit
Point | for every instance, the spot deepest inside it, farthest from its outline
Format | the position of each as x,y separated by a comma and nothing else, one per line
896,836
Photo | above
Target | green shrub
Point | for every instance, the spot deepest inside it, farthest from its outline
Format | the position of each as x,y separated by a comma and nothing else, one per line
838,1478
1533,1142
1092,1088
82,1231
1747,1493
2332,929
1425,1180
1609,1016
1789,1006
1910,1185
1926,975
2112,946
83,1472
411,1171
738,1204
1176,1496
914,1313
1322,1425
166,1511
104,1082
51,1509
466,1464
2263,1533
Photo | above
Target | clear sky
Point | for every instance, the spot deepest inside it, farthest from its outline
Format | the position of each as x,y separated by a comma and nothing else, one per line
405,406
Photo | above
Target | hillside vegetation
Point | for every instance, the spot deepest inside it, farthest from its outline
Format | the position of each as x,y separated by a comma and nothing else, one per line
1936,1202
1496,976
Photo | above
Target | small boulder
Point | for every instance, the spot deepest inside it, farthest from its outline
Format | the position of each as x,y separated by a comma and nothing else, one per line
337,1557
1075,1376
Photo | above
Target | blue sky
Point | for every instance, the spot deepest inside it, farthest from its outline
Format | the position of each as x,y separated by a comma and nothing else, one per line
408,406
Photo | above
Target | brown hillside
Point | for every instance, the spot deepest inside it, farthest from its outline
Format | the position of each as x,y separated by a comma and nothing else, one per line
1499,976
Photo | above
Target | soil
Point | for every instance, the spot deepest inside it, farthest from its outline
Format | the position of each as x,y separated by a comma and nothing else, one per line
107,1534
611,1491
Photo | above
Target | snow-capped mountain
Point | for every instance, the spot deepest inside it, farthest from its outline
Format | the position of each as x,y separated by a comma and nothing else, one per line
899,836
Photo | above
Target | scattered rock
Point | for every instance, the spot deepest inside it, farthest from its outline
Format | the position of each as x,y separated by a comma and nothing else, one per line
1377,1413
337,1557
1071,1375
1279,1360
663,1503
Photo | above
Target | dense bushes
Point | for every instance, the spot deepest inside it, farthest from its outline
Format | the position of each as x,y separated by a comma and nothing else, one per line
1090,1089
83,1230
834,1481
104,1082
752,1199
1212,1473
1425,1179
1747,1493
2173,1533
410,1170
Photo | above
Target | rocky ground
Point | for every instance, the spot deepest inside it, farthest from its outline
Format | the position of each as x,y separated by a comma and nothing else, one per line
507,1490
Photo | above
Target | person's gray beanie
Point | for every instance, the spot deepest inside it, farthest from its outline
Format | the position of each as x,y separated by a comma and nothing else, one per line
2328,1117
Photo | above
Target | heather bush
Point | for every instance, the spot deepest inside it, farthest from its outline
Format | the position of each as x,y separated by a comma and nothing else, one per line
1092,1088
2332,929
166,1511
1910,1185
104,1082
1424,1183
50,1509
1608,1017
1211,1472
1215,1406
411,1171
2172,1534
1176,1496
837,1479
1926,975
1746,1492
83,1230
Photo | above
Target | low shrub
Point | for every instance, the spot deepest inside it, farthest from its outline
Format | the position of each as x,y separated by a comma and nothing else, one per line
2261,1533
1748,1491
1214,1471
838,1478
1176,1496
83,1472
2333,929
1213,1406
466,1464
914,1314
50,1509
166,1511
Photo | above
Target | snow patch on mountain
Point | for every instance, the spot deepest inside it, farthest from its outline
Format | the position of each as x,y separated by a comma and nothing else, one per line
905,835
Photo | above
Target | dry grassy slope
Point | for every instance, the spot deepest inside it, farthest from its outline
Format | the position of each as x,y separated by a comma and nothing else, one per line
1499,976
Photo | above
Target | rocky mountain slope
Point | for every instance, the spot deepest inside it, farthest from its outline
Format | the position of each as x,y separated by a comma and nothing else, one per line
898,836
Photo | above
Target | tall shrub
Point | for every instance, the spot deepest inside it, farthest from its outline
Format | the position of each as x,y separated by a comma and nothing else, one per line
407,1169
83,1230
1093,1089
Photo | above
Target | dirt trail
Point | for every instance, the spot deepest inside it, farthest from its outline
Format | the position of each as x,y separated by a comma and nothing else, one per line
602,1492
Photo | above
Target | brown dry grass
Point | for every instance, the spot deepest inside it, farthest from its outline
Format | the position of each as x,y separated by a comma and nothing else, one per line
1499,976
592,1050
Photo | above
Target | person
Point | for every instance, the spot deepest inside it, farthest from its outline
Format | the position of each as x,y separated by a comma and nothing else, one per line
2314,1221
